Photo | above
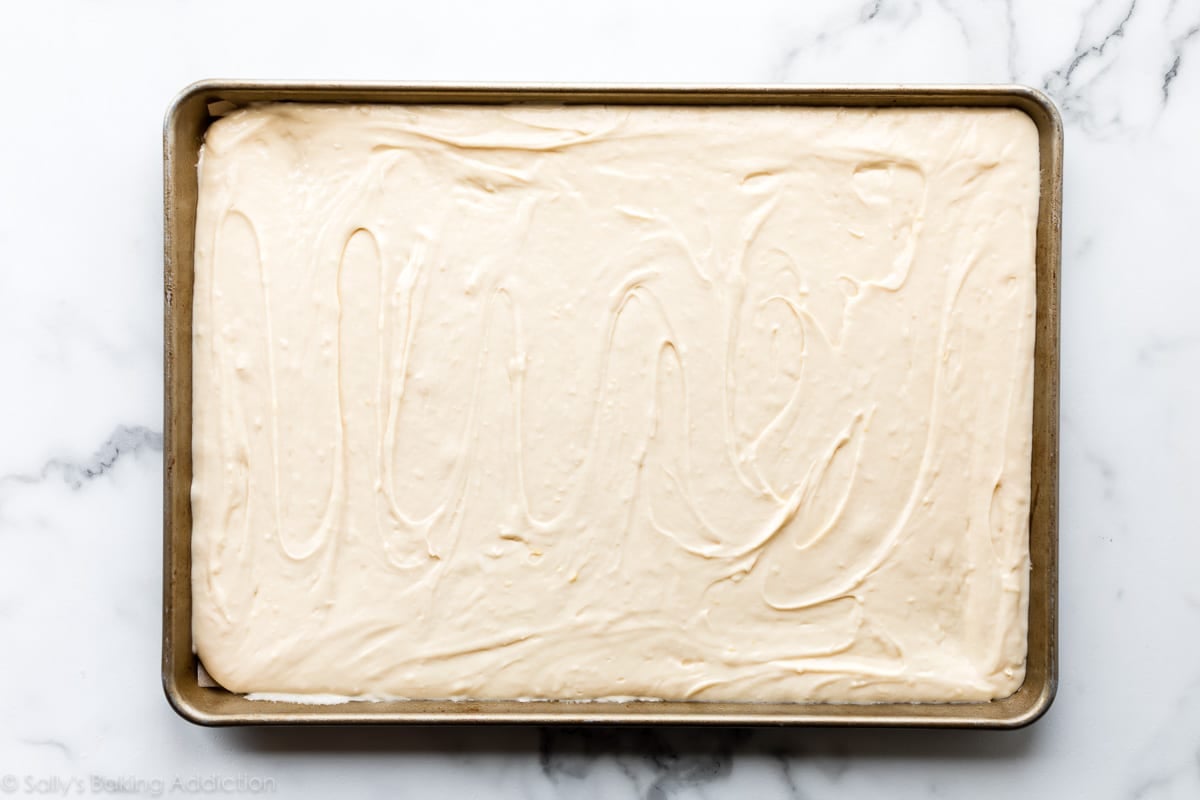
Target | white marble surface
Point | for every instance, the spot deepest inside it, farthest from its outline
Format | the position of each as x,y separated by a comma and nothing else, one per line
80,351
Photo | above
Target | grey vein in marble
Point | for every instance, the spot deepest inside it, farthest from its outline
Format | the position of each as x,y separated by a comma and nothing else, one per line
867,13
1062,82
1178,44
53,744
571,754
125,441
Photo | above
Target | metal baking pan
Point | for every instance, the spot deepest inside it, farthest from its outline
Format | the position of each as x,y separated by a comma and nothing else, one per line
186,121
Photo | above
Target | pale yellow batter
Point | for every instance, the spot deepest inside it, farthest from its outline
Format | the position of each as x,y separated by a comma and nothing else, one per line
585,402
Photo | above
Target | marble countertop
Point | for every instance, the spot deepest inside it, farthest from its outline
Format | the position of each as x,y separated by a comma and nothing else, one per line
82,710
